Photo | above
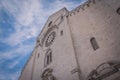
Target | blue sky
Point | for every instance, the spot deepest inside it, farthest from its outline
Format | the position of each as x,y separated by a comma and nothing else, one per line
20,23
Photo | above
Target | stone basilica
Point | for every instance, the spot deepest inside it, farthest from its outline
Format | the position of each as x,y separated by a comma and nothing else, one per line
82,44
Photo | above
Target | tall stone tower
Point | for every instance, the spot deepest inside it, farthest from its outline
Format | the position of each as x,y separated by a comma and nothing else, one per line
82,44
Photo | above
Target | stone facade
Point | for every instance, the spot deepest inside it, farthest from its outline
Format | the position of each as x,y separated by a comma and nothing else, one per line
82,44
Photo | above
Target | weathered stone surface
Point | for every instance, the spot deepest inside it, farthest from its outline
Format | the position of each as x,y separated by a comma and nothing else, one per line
73,56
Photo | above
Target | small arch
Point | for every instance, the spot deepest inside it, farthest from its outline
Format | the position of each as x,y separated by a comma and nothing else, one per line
45,72
94,43
48,75
118,11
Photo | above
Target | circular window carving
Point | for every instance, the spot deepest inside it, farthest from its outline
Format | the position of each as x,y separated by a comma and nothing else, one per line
50,39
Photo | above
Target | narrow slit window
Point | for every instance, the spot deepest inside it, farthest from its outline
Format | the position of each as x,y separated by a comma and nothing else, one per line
50,56
38,55
48,59
94,43
50,24
61,17
61,32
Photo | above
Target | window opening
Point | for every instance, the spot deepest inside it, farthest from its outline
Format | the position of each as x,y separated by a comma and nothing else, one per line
50,24
94,43
118,11
38,55
61,32
48,58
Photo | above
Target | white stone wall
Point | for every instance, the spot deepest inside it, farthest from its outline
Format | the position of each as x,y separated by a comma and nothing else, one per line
72,52
28,69
63,57
99,20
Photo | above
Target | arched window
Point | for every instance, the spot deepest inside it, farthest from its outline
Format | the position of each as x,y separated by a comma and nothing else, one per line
94,43
118,11
48,58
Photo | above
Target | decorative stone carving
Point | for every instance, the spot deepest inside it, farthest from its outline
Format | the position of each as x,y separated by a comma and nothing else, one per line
47,75
105,70
50,33
50,38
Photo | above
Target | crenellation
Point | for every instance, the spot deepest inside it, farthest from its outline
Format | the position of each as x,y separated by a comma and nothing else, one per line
83,6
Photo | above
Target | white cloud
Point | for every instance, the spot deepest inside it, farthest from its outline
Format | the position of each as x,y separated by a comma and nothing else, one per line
25,13
13,64
7,76
30,11
15,76
61,4
30,16
20,51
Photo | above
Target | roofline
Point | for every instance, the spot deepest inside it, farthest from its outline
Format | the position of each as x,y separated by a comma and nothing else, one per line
49,17
81,6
